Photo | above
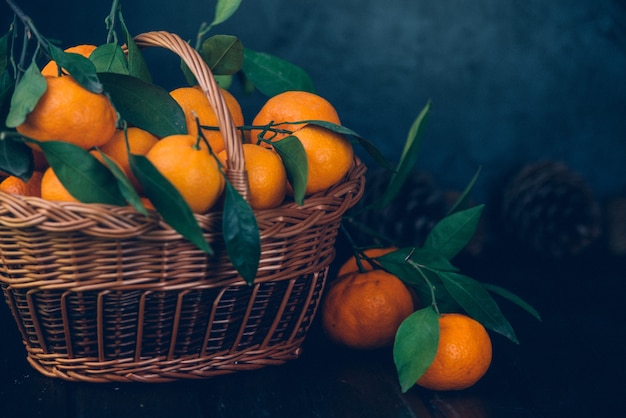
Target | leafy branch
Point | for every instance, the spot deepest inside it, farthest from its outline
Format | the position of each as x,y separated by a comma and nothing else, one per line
429,271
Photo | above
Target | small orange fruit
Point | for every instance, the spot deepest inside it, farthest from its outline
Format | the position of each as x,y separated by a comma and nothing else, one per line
68,112
351,266
329,155
195,104
139,141
292,106
15,185
463,354
188,164
266,176
53,189
52,69
364,310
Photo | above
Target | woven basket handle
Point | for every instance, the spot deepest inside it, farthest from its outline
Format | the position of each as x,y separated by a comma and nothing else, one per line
235,164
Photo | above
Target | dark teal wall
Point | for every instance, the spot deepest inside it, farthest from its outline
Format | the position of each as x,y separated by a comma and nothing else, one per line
510,81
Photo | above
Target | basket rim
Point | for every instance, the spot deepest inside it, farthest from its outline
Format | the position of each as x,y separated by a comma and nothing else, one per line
100,219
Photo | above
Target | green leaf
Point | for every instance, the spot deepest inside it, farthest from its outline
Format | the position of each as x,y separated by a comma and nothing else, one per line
168,201
294,159
415,346
408,160
431,260
27,93
223,54
224,81
137,66
7,87
512,297
123,184
109,58
369,147
224,9
4,51
451,234
81,68
145,105
84,177
396,263
273,75
16,158
241,234
463,201
478,303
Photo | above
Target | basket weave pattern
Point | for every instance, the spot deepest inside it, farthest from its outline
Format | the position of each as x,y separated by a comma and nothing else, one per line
102,293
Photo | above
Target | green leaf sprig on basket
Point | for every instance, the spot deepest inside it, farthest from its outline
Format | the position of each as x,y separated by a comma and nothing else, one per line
430,272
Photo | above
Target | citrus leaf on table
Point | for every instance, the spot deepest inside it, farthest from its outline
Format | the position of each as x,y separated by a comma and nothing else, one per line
81,68
273,75
451,234
144,105
168,201
512,297
431,260
27,93
478,303
396,263
109,58
223,54
294,158
16,158
408,159
84,177
241,234
415,346
463,200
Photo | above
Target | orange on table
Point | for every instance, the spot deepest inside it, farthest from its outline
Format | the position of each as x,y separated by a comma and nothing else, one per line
292,106
195,104
463,354
267,176
188,164
140,142
68,112
52,69
351,266
15,185
364,310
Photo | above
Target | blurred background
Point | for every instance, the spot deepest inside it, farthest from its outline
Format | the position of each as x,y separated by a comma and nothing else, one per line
511,82
531,91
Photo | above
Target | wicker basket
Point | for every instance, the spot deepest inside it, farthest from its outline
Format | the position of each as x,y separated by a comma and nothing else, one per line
102,293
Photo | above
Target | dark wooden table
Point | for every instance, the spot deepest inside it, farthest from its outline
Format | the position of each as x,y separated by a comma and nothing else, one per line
571,364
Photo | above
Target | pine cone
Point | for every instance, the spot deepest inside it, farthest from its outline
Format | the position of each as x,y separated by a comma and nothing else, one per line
550,210
408,219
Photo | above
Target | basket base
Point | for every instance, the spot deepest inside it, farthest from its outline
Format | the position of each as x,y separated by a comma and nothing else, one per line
160,369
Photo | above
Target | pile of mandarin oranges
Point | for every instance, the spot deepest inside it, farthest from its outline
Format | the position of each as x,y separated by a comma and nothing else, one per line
68,112
365,305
